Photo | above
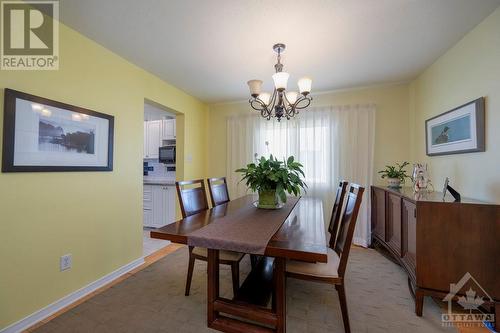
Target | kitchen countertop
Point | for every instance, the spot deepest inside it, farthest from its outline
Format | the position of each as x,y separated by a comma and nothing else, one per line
158,181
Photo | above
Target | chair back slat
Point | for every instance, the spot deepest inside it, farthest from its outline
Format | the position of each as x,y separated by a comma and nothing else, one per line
333,227
347,225
218,190
193,199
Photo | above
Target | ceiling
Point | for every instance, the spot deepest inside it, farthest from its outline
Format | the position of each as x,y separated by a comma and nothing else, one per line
211,48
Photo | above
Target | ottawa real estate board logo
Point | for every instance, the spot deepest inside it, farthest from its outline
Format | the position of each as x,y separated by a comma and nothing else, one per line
29,35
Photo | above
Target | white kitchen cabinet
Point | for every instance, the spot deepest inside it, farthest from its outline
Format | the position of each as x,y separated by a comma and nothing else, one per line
145,149
147,205
168,130
152,138
158,205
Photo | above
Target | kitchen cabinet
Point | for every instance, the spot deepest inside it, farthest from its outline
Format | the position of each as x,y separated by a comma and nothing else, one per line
158,205
152,138
168,129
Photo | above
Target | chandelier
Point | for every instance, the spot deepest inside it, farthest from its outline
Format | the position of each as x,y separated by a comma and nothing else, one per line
284,103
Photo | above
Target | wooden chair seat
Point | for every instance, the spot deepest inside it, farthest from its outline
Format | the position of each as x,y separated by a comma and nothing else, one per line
223,255
341,230
193,199
321,270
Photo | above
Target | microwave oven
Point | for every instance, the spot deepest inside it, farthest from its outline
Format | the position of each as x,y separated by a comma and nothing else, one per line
166,154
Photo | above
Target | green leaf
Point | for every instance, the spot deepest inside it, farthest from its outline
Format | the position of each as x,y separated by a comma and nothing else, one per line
272,174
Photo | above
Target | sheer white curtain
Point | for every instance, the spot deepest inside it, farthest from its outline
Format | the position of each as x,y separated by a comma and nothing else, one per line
332,143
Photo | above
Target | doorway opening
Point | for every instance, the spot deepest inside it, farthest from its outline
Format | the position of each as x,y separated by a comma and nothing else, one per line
159,173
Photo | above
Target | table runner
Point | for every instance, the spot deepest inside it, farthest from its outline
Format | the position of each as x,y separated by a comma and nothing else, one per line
248,230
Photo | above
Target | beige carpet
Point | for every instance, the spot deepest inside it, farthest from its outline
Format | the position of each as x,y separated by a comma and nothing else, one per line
153,301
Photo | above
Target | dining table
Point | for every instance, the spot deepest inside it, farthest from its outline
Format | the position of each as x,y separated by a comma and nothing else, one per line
294,232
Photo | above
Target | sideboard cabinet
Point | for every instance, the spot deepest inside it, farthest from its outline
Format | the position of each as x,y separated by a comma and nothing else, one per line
438,241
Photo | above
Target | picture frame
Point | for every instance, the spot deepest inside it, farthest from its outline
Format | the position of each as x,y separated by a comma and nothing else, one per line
458,131
43,135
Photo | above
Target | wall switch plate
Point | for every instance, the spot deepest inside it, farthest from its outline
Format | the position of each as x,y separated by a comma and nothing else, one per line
65,262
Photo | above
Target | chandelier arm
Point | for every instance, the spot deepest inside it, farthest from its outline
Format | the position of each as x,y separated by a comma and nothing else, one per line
290,112
273,100
260,106
302,99
265,113
286,99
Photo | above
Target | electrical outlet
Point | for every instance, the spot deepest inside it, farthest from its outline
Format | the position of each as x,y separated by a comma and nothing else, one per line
65,262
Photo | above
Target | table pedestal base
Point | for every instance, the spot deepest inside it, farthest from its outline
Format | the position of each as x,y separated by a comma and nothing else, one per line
251,317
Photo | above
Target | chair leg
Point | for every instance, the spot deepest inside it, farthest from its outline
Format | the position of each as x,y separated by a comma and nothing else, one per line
343,307
190,271
235,271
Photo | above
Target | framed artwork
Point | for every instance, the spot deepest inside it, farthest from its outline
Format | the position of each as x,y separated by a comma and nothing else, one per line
43,135
457,131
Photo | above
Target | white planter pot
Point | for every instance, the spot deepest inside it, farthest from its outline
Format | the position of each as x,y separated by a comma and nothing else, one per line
393,182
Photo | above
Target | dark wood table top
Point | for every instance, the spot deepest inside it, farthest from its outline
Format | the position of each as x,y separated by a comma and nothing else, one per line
301,237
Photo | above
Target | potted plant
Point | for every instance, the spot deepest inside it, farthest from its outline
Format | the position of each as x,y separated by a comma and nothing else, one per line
395,174
272,179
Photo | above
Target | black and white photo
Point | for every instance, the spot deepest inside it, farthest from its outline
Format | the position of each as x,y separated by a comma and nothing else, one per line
45,135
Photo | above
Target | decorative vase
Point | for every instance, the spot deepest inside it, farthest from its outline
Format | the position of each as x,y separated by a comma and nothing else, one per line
393,182
268,199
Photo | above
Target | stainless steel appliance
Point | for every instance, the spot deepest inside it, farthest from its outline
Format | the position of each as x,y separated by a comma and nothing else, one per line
167,154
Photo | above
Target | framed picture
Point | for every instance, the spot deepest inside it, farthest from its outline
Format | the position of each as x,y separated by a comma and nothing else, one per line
457,131
44,135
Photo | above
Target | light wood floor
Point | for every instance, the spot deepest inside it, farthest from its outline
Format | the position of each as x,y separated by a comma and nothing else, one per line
149,260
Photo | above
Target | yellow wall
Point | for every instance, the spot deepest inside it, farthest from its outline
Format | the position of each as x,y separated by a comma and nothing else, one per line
391,133
95,216
469,70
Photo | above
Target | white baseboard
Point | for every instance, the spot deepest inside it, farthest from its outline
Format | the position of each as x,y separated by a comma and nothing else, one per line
50,309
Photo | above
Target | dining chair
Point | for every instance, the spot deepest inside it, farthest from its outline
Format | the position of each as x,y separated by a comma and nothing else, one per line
217,188
333,272
193,199
333,227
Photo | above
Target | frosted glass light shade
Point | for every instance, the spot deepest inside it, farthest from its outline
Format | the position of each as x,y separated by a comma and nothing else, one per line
280,80
265,97
305,85
255,87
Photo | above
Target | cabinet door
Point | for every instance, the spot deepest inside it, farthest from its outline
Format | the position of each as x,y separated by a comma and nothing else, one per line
154,138
158,205
168,130
378,213
171,201
409,216
147,217
393,220
145,149
147,205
